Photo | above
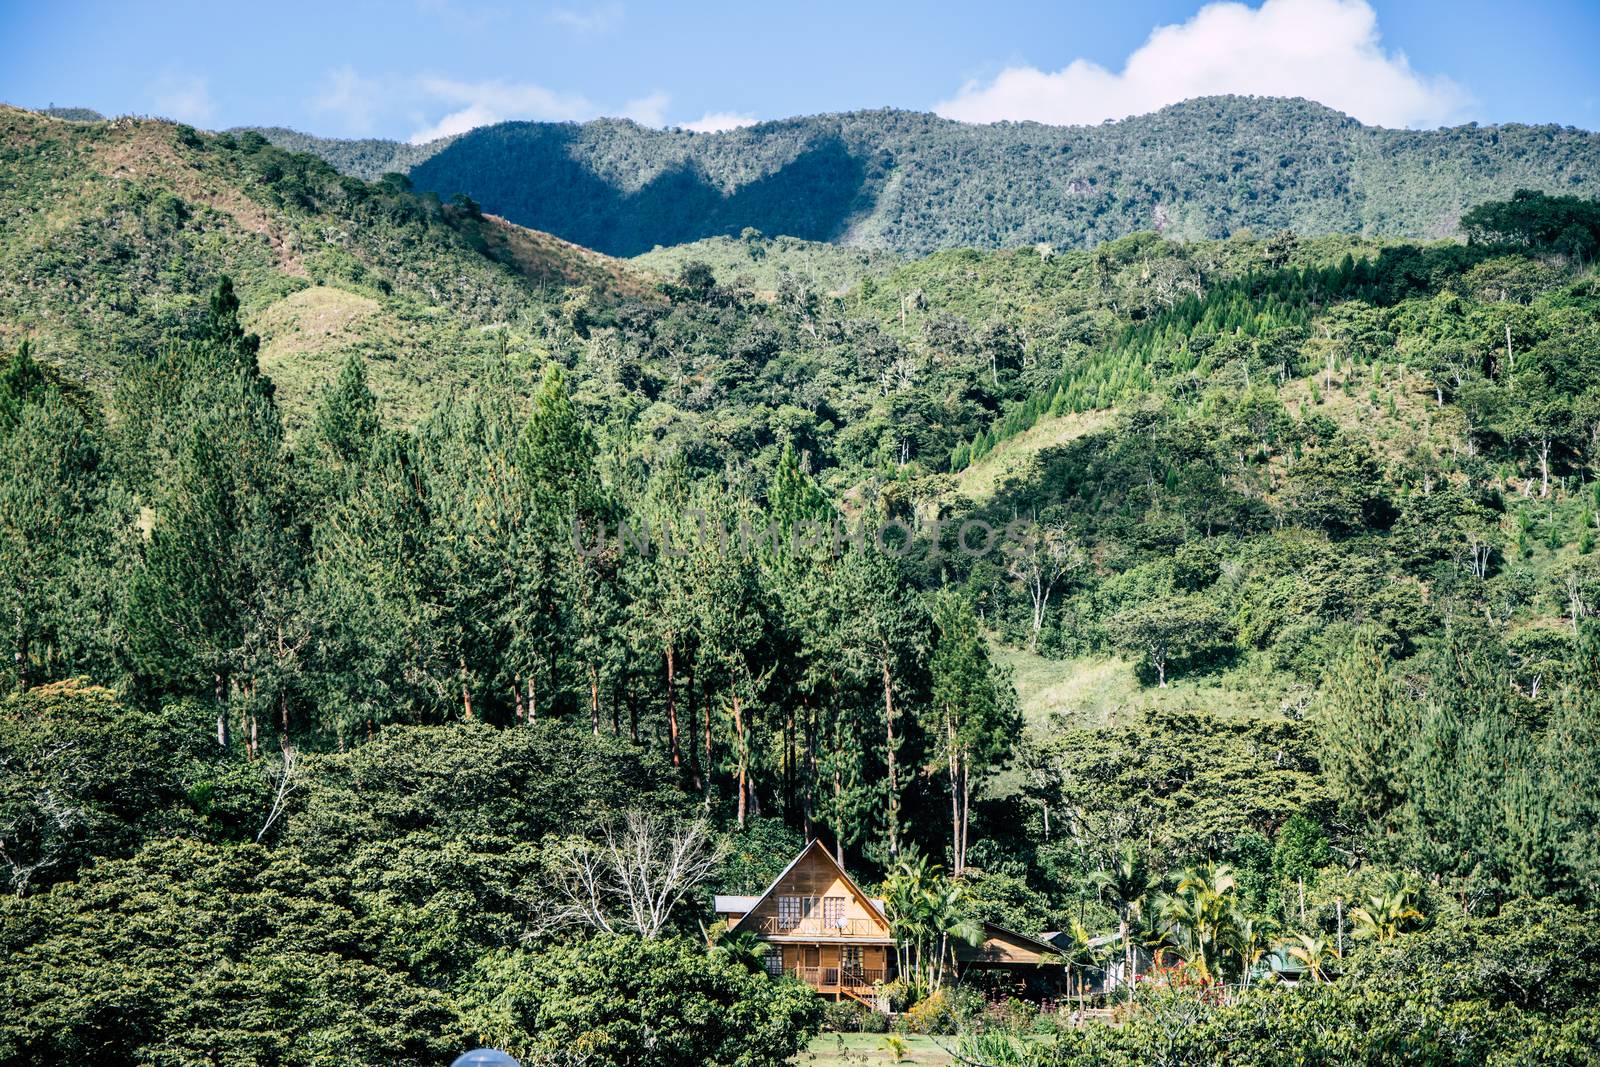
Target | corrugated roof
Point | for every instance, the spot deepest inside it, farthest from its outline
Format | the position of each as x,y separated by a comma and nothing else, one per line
727,903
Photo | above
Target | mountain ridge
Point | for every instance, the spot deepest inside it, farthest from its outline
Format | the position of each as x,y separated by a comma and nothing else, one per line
914,183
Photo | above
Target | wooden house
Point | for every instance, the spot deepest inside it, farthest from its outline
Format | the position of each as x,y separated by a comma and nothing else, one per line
819,926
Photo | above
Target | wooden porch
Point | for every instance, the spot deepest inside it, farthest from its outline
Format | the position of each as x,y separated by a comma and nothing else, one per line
858,982
836,971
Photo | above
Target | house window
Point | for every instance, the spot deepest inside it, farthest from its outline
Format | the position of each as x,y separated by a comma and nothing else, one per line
833,912
792,909
774,962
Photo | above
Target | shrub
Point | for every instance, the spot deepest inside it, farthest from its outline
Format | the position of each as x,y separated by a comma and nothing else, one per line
844,1017
201,953
898,994
933,1014
627,1001
1519,988
1011,1014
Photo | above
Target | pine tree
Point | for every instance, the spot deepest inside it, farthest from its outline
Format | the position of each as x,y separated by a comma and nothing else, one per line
62,525
382,654
219,572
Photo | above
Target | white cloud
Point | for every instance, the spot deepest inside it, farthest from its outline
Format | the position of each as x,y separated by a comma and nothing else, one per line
183,97
589,20
456,122
351,100
648,110
485,103
716,121
1325,50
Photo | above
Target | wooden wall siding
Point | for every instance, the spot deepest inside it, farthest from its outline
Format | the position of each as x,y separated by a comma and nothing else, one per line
999,946
816,877
830,955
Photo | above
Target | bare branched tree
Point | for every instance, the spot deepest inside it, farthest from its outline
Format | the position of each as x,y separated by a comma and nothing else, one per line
633,880
1040,562
284,778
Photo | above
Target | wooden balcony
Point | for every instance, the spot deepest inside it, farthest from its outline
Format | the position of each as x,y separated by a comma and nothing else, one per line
815,926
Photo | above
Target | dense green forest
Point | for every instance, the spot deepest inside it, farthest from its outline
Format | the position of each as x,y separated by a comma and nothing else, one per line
335,668
914,183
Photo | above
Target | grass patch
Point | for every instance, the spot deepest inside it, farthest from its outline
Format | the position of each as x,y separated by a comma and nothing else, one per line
1092,691
415,354
856,1050
1012,457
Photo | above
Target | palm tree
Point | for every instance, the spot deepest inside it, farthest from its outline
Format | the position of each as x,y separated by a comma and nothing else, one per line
1314,951
904,895
1200,913
1153,935
1388,911
953,922
743,947
928,914
1127,884
1074,949
1248,939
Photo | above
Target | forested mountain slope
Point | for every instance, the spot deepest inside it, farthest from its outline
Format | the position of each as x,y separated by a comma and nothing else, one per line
913,183
367,157
113,229
320,690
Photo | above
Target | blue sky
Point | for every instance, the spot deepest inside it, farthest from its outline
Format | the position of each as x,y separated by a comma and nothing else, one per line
416,68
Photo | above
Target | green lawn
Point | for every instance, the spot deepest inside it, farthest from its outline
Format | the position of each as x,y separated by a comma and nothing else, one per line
861,1050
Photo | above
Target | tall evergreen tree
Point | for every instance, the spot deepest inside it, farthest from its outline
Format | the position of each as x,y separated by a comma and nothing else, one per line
62,527
218,577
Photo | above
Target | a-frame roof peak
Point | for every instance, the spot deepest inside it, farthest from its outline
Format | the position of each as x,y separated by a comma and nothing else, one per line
815,847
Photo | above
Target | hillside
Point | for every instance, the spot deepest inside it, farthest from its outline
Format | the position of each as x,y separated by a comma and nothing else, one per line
763,262
354,630
114,229
913,183
368,157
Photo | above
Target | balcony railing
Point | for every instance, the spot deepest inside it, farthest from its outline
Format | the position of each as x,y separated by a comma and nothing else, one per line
813,926
862,978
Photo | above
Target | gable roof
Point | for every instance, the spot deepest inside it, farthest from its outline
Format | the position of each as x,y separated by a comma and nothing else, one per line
815,846
1040,944
994,935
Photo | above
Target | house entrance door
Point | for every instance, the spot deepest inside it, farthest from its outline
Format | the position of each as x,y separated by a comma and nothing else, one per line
853,971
